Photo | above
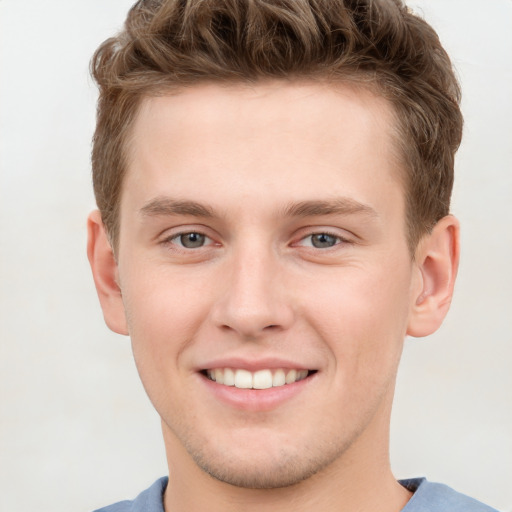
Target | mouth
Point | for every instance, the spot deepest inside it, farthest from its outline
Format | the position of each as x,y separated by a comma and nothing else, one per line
260,379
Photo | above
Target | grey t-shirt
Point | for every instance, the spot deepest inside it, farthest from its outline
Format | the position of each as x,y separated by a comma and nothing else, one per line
427,497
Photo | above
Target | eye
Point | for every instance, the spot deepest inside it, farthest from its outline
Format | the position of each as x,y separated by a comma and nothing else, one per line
321,240
192,240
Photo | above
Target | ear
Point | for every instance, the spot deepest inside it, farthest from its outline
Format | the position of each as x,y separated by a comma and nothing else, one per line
105,273
436,262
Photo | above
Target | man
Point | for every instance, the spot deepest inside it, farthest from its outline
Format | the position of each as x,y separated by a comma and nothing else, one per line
273,181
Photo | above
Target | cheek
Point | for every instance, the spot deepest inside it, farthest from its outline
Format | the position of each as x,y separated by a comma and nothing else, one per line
362,319
163,321
164,313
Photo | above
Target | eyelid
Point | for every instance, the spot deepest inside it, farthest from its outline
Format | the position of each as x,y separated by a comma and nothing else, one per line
179,235
168,236
305,233
339,240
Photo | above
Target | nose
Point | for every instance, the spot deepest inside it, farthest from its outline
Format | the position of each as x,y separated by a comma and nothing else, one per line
254,299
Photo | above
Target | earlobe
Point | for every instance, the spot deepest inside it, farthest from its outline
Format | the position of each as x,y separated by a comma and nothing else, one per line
105,273
437,261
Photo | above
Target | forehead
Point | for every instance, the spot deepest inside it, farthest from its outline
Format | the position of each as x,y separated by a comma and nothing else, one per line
271,104
294,137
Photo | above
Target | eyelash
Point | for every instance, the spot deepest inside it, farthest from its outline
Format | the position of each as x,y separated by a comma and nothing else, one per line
173,240
339,240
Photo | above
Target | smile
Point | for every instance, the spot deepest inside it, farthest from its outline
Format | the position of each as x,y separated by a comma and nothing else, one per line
261,379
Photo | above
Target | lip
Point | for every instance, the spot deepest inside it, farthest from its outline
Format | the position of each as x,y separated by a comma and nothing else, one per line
254,365
255,400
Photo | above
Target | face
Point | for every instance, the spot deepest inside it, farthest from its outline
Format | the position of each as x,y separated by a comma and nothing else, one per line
265,275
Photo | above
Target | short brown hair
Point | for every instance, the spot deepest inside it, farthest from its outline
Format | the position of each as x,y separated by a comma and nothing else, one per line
171,44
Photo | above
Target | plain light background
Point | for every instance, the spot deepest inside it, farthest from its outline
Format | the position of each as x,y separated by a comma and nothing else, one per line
76,429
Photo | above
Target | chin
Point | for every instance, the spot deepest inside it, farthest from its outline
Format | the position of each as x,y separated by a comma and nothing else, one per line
268,476
263,469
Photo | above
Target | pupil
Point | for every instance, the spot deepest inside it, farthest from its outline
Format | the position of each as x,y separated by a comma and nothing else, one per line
192,240
323,240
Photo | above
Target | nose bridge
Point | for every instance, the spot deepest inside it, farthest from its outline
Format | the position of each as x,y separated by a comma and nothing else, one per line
254,299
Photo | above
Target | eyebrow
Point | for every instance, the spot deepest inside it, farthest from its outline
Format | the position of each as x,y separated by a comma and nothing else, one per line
166,206
338,206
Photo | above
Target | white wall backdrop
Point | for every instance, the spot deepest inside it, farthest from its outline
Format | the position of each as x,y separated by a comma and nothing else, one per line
76,430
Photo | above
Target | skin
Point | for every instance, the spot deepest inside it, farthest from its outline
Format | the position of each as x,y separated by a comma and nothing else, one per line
261,172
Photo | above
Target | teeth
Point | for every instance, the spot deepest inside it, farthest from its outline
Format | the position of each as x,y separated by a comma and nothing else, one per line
229,377
262,379
291,376
243,379
219,376
279,378
302,374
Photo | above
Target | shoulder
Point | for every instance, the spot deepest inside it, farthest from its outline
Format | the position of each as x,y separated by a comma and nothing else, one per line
433,497
149,500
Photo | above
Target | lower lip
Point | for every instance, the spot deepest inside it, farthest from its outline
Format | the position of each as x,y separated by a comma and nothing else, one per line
257,400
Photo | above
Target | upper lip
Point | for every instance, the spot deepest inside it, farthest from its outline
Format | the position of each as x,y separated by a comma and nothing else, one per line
254,365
